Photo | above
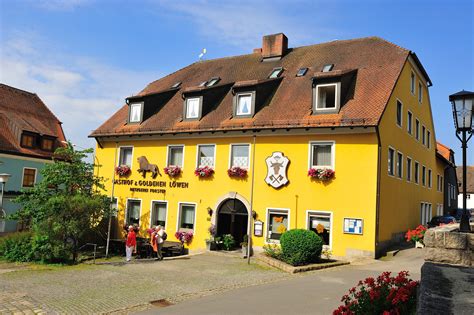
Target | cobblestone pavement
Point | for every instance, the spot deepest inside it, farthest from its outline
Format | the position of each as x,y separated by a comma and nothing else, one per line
92,289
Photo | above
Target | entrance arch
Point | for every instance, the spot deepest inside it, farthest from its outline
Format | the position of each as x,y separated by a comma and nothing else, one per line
231,216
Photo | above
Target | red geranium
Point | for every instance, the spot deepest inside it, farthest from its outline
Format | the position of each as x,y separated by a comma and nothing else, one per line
321,173
236,171
416,235
205,171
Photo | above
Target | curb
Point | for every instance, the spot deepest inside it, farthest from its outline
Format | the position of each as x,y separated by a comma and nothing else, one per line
292,269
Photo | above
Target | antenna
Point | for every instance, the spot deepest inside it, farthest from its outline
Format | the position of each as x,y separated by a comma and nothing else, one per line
204,51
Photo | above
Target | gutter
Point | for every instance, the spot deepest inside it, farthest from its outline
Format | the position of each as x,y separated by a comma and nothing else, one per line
377,202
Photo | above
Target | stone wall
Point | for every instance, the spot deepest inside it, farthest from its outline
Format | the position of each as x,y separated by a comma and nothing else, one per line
446,245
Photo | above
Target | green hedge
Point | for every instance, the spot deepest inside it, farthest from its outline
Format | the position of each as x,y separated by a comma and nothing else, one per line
17,247
300,247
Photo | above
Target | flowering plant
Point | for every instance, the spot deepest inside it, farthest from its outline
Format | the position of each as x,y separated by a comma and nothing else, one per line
236,171
172,170
184,237
385,295
416,235
205,171
122,170
321,173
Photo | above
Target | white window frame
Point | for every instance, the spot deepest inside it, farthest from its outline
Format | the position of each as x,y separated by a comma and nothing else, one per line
126,209
141,104
119,151
412,83
178,217
420,92
439,209
199,107
417,129
423,134
252,103
399,176
269,210
331,216
409,172
337,97
410,123
230,153
393,161
423,172
426,212
151,210
430,178
332,143
401,113
23,177
168,153
197,153
416,177
428,139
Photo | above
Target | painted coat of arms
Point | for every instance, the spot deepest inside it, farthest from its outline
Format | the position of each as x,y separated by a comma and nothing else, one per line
276,170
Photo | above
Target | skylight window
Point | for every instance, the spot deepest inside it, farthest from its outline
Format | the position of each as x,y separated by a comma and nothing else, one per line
275,73
176,85
301,72
212,81
327,67
203,84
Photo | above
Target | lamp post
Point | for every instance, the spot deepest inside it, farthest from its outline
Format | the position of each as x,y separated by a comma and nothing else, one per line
462,103
3,180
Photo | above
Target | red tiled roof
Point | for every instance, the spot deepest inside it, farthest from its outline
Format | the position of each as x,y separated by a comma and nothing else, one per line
444,151
24,111
375,62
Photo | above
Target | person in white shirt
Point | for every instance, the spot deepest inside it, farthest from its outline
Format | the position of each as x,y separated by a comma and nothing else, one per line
159,241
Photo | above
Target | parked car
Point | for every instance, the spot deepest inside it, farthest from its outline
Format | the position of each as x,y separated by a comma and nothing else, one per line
441,219
459,213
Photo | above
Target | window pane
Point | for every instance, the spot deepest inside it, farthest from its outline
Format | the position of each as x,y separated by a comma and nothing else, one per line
322,155
278,224
408,169
390,161
192,107
321,225
417,171
176,156
158,216
27,141
417,131
399,113
240,155
187,216
125,156
206,155
327,96
399,164
244,104
29,175
135,112
47,144
133,212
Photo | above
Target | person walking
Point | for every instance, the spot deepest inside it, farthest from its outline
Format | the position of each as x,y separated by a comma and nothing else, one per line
154,243
160,239
130,243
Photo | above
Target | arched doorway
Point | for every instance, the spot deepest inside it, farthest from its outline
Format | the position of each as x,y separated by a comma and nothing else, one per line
232,218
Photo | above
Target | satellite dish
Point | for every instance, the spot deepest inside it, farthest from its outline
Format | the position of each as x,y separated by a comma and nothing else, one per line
204,51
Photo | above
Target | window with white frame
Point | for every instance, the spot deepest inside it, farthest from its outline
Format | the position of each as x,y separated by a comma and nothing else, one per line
320,223
125,156
409,169
417,129
417,172
439,210
244,104
423,135
136,111
175,155
399,113
423,175
206,154
428,139
187,213
425,213
133,211
327,96
240,155
322,154
420,92
158,213
277,224
410,122
399,164
193,109
429,178
412,83
391,162
29,177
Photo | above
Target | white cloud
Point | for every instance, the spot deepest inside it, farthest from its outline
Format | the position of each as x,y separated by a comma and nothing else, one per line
60,5
82,92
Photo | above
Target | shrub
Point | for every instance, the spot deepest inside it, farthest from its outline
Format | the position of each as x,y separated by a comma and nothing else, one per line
300,247
228,241
384,295
17,247
272,250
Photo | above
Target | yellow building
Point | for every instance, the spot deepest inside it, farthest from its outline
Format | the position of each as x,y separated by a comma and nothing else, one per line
353,114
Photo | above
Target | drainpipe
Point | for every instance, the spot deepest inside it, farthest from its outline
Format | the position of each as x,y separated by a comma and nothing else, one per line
111,200
249,223
377,204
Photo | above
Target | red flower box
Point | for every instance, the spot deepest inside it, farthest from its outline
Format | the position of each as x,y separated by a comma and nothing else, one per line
237,171
172,170
205,171
122,170
322,174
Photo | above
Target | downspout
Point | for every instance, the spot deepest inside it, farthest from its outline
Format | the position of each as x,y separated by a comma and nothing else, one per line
377,203
111,200
249,223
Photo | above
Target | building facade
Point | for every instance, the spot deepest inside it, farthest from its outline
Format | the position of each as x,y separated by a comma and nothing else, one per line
30,133
446,181
336,137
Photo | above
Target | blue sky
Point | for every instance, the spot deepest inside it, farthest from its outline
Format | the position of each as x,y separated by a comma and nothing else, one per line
83,57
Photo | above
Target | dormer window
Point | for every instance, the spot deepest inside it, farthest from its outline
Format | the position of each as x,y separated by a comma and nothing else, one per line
244,104
27,140
136,113
47,144
192,108
275,73
213,81
327,97
301,72
176,85
327,67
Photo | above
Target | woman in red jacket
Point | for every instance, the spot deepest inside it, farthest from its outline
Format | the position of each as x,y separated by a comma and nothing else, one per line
131,243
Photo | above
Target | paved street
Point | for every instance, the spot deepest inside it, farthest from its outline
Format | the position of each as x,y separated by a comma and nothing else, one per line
315,292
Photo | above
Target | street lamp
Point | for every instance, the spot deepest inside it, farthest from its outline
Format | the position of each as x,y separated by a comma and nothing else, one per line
462,103
3,180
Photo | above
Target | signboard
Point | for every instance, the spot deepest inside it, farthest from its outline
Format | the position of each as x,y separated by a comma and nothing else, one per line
150,186
258,228
276,170
353,226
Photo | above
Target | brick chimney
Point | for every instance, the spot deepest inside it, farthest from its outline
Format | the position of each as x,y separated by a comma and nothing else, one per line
274,46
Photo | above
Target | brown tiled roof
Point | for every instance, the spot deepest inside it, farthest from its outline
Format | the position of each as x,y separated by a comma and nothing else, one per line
444,151
375,62
24,111
469,179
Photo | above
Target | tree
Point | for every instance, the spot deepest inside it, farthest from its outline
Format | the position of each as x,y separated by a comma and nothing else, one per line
64,206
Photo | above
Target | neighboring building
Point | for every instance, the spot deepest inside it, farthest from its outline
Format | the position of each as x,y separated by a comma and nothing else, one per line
446,180
29,135
469,188
359,107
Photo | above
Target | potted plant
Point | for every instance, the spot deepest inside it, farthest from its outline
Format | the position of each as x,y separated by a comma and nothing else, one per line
172,170
236,171
228,241
416,236
322,174
122,170
204,172
211,241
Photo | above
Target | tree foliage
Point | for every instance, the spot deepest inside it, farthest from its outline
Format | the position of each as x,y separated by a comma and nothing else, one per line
65,205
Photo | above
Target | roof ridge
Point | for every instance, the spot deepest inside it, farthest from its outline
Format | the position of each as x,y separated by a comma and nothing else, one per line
16,89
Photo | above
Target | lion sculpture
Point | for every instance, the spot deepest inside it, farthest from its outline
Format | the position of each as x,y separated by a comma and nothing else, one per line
147,167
